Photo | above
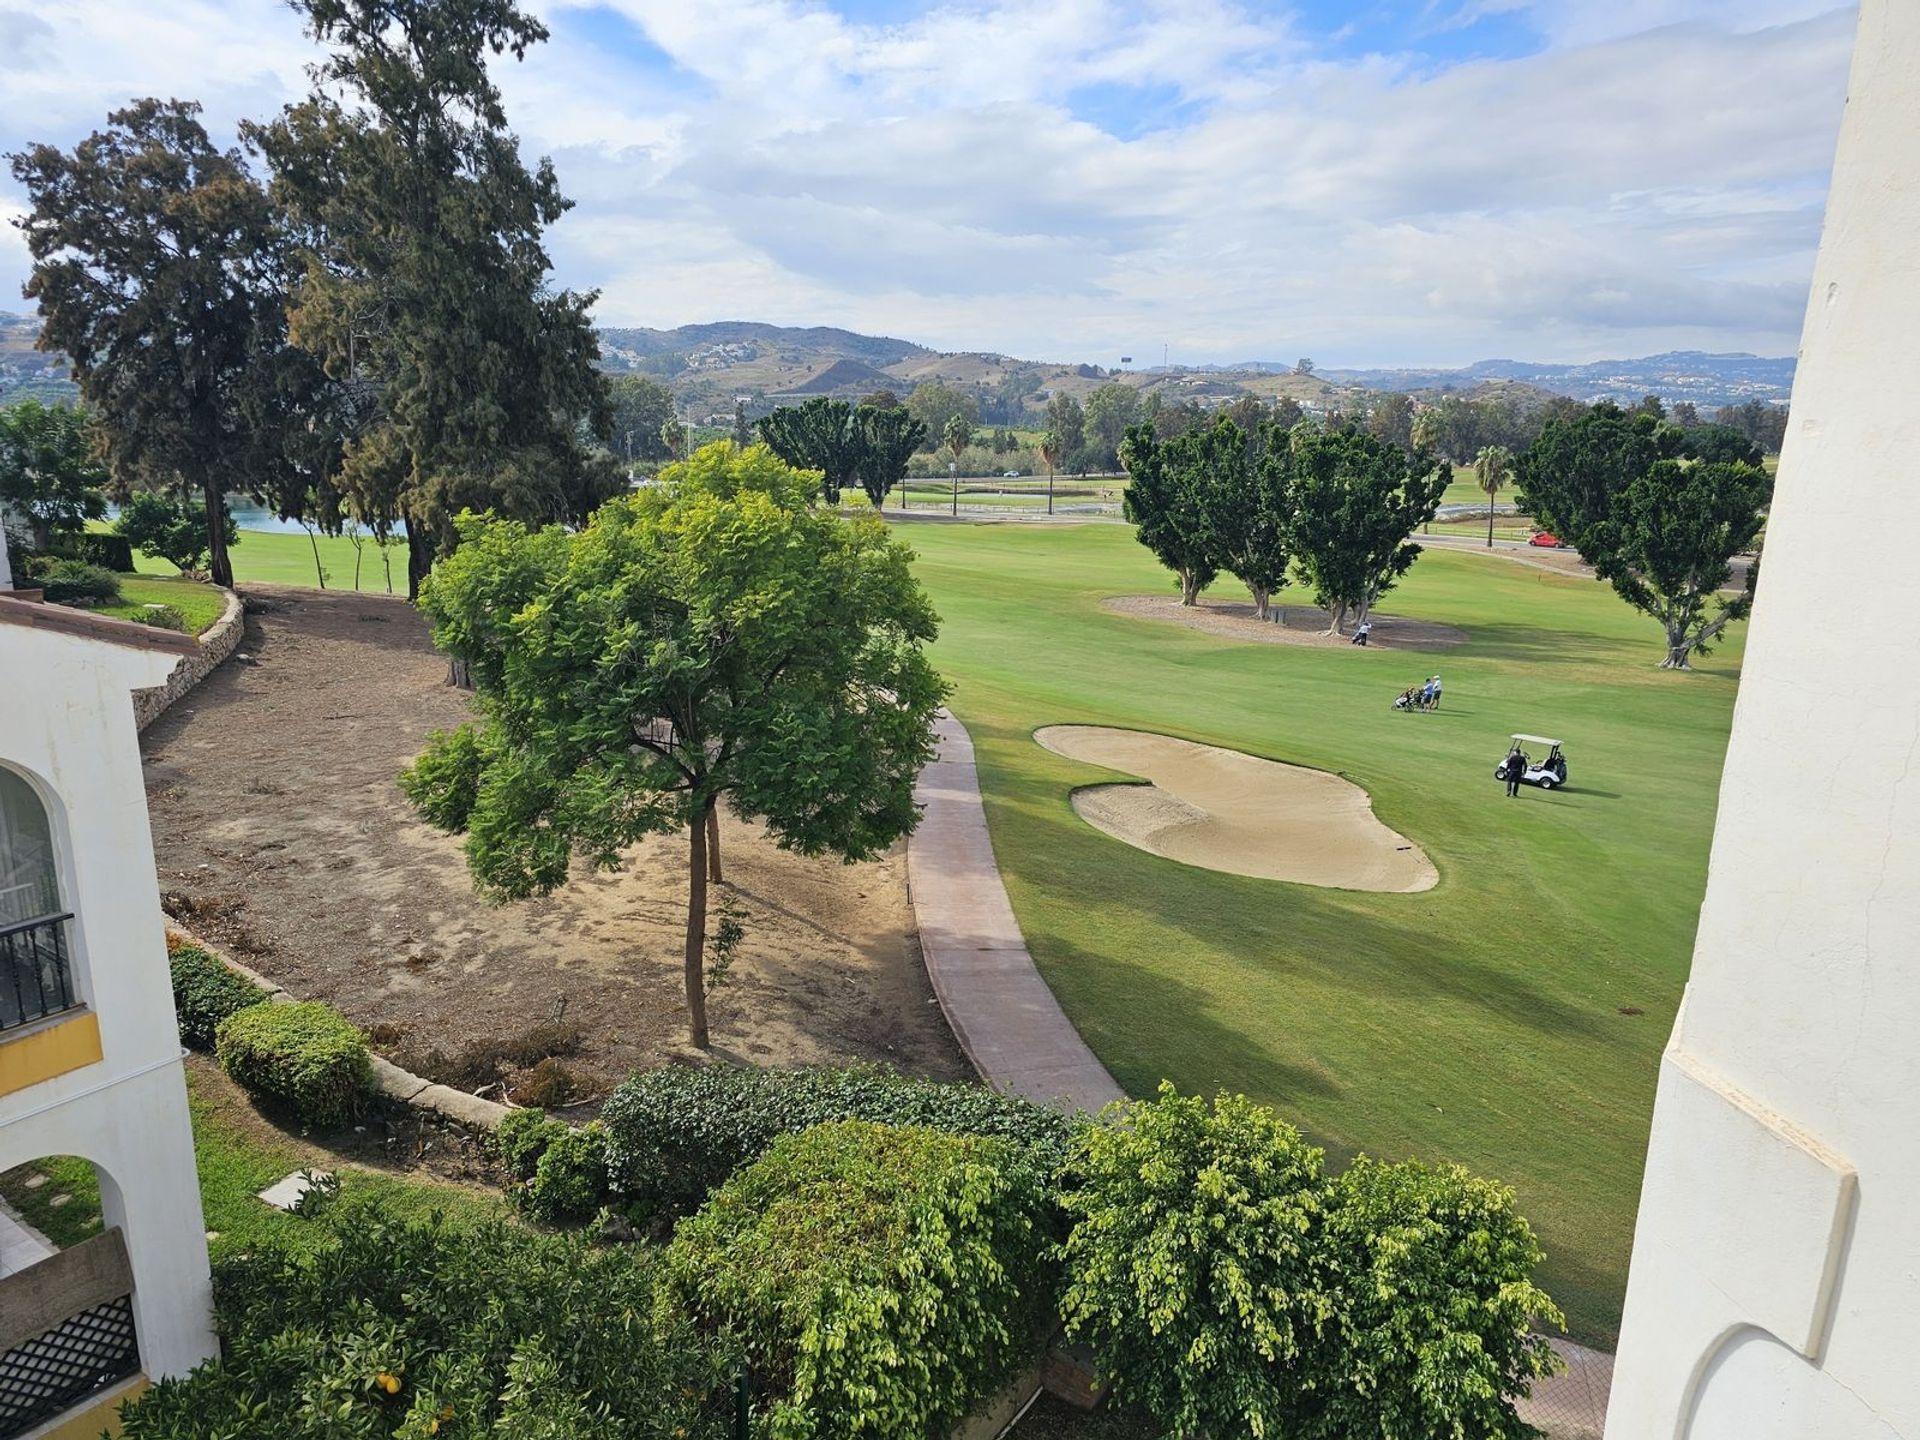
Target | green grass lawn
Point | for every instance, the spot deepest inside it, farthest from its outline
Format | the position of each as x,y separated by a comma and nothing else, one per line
263,557
200,605
236,1161
1480,1022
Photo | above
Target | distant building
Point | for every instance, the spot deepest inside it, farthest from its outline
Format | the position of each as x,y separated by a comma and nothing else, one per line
89,1051
1775,1288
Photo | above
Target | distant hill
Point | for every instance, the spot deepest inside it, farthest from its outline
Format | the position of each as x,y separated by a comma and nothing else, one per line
1707,380
709,367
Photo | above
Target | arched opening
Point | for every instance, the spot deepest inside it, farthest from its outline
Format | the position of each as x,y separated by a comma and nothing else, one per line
36,966
67,1332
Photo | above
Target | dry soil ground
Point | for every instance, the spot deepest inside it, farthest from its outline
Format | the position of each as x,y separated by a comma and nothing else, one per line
1290,625
280,833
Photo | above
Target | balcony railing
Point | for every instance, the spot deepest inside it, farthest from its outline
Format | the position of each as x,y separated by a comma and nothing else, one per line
66,1332
36,973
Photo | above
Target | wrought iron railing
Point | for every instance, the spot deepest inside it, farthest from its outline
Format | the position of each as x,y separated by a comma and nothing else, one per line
36,972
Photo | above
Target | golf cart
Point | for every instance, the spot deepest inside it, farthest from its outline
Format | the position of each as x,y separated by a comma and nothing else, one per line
1548,774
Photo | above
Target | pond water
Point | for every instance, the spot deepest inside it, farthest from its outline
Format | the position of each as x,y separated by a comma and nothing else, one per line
251,515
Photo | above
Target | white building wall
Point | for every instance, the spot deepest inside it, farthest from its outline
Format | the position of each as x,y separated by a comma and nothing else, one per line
66,724
1775,1289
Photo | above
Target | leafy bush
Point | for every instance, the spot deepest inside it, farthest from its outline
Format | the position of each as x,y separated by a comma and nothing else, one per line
307,1057
882,1280
74,582
423,1330
96,548
676,1133
175,530
205,992
1188,1264
522,1138
570,1177
1427,1274
161,617
1228,1288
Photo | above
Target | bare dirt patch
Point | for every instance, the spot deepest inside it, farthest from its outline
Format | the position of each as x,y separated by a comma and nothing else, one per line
1291,624
1226,810
280,832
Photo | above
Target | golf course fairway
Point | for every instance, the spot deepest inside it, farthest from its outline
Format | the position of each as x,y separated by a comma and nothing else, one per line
1509,1019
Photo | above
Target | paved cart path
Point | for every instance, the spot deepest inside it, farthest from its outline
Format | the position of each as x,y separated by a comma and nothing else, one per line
1005,1017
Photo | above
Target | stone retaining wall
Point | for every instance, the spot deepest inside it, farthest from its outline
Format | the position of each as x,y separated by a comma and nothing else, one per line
220,640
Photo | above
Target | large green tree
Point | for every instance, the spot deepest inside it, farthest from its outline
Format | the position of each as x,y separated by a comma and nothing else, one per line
1167,502
1111,409
888,434
1356,502
156,269
425,282
49,474
817,434
1068,421
713,639
1244,491
934,404
1667,544
1570,475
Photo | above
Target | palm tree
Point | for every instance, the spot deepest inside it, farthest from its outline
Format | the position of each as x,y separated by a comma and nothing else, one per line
1493,466
1051,451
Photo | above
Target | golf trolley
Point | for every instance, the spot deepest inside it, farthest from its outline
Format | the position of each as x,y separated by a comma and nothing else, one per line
1548,774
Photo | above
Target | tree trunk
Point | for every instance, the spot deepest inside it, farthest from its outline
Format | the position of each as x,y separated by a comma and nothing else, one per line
1189,587
713,842
420,548
319,575
219,563
1489,520
696,951
1339,618
1262,602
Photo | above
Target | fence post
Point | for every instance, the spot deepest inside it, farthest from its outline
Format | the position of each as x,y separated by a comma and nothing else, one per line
742,1404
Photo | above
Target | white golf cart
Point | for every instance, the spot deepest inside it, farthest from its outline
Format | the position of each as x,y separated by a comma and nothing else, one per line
1547,773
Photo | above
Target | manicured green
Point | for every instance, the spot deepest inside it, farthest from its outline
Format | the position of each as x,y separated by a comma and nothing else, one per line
265,557
1480,1022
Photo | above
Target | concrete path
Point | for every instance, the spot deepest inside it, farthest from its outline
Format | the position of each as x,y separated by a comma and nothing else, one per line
1572,1406
1001,1011
21,1246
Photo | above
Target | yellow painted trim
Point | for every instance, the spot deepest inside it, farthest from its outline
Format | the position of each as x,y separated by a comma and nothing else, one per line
90,1421
70,1042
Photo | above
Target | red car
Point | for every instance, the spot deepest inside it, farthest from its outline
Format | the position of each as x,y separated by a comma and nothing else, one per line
1546,541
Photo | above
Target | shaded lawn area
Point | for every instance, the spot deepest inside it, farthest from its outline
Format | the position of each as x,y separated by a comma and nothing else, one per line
1485,1021
240,1152
263,557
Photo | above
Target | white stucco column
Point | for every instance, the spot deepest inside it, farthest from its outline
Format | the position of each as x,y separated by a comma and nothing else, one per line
1775,1289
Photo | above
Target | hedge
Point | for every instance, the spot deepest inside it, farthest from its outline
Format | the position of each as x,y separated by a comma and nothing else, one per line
421,1330
305,1056
75,582
675,1134
205,992
882,1280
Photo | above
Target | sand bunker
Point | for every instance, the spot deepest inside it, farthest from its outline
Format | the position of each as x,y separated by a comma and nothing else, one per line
1291,624
1234,812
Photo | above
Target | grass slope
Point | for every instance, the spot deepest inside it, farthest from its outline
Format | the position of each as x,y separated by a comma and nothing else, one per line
1479,1022
199,605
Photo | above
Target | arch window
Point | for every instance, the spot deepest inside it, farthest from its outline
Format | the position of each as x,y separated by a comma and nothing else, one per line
36,971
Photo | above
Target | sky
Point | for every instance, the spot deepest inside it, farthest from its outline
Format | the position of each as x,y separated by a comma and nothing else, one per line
1367,182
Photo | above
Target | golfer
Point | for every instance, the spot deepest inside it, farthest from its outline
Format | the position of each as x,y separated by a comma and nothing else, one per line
1360,635
1433,693
1516,767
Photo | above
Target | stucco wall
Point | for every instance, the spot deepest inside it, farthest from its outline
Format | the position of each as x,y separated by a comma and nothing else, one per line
70,734
1775,1288
220,641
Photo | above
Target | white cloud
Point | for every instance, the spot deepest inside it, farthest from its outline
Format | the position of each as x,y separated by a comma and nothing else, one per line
978,176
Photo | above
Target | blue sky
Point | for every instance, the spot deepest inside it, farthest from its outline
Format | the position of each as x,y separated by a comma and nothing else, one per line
1371,182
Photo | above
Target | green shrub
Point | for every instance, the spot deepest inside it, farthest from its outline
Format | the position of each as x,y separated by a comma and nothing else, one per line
570,1177
423,1330
675,1134
522,1138
97,548
1228,1288
205,992
307,1057
882,1280
75,582
173,529
1428,1275
1189,1261
161,617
